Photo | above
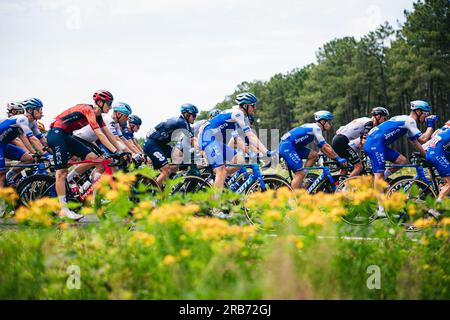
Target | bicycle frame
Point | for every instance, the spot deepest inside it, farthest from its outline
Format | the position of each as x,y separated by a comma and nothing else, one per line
326,174
249,179
107,171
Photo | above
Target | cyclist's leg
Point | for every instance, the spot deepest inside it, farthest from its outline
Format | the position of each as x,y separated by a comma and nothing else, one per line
218,154
294,161
395,157
13,152
159,160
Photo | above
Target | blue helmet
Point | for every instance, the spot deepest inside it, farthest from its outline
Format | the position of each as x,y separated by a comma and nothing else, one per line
246,98
323,115
134,119
420,105
33,103
214,113
189,108
123,108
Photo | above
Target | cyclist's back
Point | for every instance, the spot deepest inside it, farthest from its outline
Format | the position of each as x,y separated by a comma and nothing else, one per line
393,129
304,135
76,118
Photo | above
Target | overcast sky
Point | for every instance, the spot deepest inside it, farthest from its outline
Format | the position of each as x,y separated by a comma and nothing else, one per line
157,55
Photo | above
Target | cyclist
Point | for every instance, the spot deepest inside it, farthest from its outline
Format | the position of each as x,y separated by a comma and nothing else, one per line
381,137
33,111
293,146
186,144
134,124
438,153
10,129
14,108
157,141
355,133
213,137
240,142
61,141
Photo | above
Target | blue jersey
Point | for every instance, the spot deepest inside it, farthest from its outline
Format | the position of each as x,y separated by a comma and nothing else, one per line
13,127
304,135
127,134
441,140
393,129
162,133
231,119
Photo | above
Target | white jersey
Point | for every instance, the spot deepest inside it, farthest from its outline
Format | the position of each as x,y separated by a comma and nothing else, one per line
86,133
354,129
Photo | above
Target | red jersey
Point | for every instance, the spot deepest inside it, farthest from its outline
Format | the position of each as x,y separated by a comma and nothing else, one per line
76,118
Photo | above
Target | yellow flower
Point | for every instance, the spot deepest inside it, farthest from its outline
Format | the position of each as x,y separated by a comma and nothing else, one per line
9,195
424,240
169,259
442,233
172,213
185,253
424,223
445,221
297,241
39,211
142,237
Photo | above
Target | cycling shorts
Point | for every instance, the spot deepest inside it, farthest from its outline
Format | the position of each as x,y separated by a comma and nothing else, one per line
293,155
64,145
341,144
158,153
440,159
9,151
378,154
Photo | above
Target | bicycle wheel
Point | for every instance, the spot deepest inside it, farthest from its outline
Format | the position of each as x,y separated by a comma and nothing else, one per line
271,182
144,186
360,215
416,191
190,184
36,187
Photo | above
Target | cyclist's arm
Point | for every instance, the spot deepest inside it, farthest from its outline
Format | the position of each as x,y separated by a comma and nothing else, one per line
27,144
328,150
426,135
417,145
37,144
18,142
254,142
130,146
111,146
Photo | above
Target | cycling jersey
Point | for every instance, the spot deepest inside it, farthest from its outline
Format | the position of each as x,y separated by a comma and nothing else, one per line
357,128
305,134
437,154
393,129
380,137
76,118
127,133
157,142
427,144
11,128
292,147
162,133
213,135
87,133
35,129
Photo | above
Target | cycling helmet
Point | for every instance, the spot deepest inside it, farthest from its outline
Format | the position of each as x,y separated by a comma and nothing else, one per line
323,115
214,113
123,108
33,103
134,119
380,110
14,106
41,127
189,108
420,105
245,98
103,95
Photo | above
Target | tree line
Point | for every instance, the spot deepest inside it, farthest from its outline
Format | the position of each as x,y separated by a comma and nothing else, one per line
387,67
